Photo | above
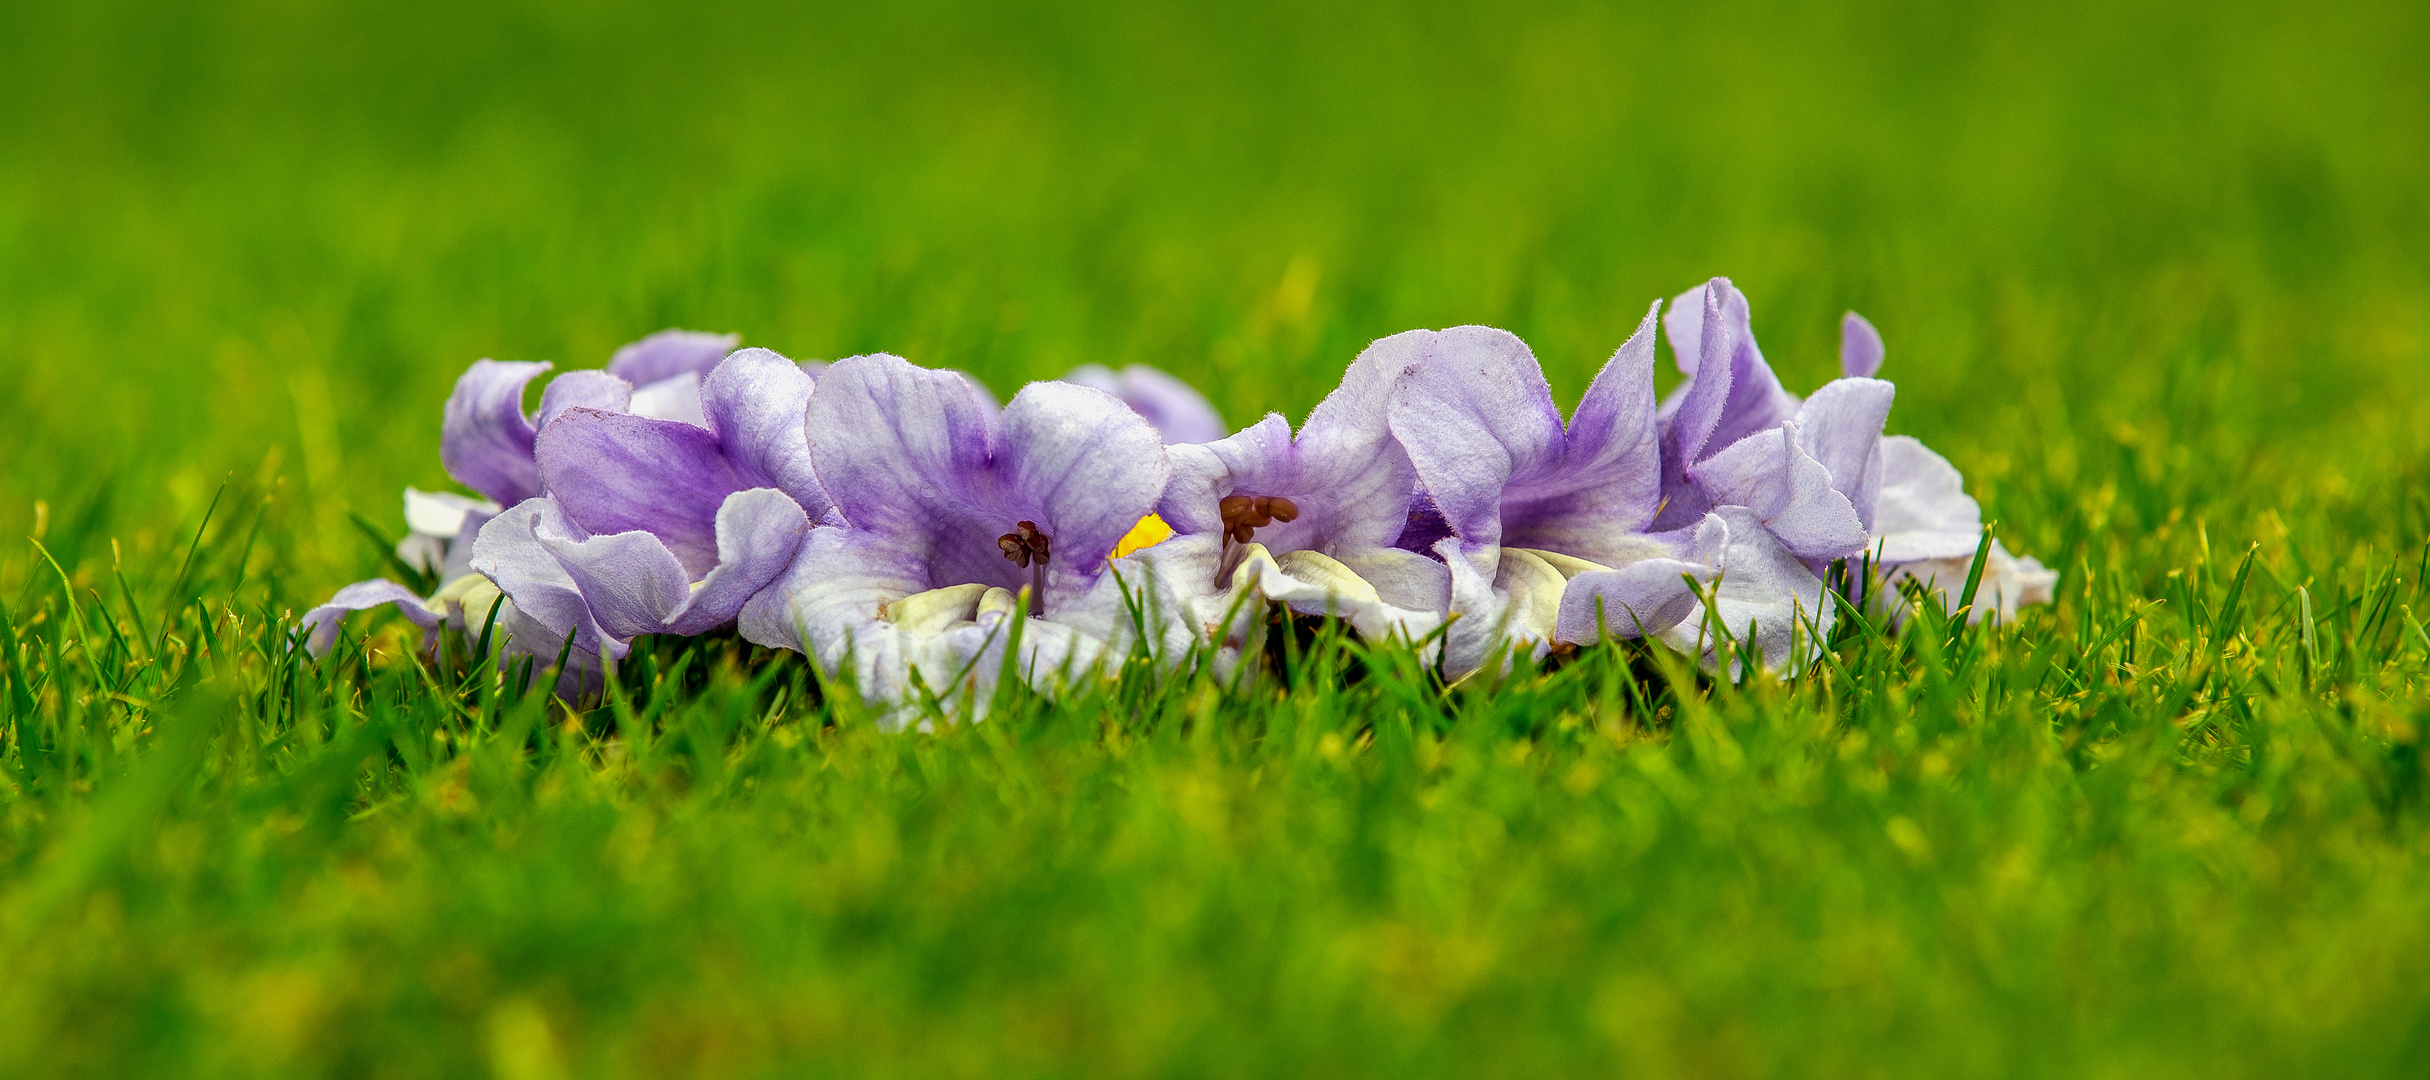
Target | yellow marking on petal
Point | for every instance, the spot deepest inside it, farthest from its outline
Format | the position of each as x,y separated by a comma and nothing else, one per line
1150,532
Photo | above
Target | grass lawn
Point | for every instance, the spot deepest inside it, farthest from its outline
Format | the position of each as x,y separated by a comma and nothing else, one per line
2152,276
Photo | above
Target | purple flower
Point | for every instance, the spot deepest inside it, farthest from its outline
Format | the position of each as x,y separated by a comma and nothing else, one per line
947,515
662,526
1179,412
1549,523
1308,521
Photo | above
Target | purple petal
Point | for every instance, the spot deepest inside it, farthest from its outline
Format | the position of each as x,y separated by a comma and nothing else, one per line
1693,413
669,353
635,586
890,440
1770,474
485,441
616,472
1756,400
1608,481
1841,427
509,553
839,580
1088,465
1860,347
756,401
1473,415
584,389
320,625
1404,579
758,534
630,581
1638,600
1178,411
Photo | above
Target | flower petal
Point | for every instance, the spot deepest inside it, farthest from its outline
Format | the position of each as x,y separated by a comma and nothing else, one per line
1087,465
892,441
1602,494
756,401
1840,426
484,440
1764,591
630,581
1256,459
758,534
320,625
1473,415
839,579
509,553
1643,598
1770,474
1860,347
617,472
669,353
585,389
1923,511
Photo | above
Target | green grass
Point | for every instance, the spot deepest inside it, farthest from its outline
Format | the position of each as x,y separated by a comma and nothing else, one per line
2151,277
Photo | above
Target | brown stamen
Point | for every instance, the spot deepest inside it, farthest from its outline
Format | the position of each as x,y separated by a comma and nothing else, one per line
1243,515
1029,549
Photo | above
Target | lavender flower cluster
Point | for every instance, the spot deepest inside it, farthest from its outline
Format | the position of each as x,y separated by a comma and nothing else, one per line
895,524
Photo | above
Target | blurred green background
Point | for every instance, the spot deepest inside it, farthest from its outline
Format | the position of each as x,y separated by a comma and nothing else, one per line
2152,275
235,229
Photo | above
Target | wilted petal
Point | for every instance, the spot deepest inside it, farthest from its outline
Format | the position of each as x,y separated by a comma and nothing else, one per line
587,390
757,401
484,440
617,472
1922,511
1473,415
1840,426
1770,474
1860,347
320,625
509,553
669,353
1764,592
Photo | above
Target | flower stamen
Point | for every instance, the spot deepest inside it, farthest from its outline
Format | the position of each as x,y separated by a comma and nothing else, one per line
1243,515
1029,549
